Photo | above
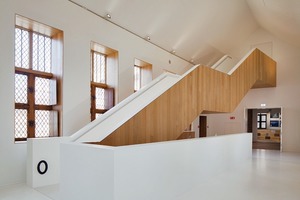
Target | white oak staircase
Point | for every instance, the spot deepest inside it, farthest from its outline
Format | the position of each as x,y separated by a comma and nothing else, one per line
201,90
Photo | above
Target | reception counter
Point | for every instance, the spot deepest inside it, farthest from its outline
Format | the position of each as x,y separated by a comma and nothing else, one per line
272,135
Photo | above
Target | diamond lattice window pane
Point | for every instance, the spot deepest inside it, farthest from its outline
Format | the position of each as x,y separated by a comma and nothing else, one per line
137,78
41,53
42,123
21,48
20,123
42,91
100,101
99,64
20,88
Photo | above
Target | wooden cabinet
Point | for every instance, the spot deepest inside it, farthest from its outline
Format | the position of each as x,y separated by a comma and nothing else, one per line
268,135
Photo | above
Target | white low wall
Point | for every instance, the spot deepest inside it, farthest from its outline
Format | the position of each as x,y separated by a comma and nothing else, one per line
47,149
149,171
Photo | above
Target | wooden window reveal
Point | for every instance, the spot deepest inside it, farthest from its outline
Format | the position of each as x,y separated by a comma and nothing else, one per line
36,113
102,97
137,78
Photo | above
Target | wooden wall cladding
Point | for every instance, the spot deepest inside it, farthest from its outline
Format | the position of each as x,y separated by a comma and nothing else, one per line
203,90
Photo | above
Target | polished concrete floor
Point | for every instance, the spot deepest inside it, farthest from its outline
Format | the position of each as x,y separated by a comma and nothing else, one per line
269,175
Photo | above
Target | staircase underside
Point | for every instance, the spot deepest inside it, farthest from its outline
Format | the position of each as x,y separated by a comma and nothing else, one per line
202,90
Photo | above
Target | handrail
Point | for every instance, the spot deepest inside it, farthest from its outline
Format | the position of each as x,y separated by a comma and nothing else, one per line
241,61
219,62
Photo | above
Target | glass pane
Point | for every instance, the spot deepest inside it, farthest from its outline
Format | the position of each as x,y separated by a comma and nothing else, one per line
99,65
42,123
100,102
41,53
20,88
137,78
263,125
20,123
263,118
21,48
42,91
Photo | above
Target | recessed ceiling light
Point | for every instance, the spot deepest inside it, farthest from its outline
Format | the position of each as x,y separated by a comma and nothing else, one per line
108,16
148,38
173,51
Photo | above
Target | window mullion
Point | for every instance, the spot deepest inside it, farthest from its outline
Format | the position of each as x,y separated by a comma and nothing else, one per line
105,68
30,50
31,106
31,92
93,102
93,67
44,52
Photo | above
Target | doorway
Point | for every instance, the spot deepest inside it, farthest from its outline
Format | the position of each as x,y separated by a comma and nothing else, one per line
266,126
202,126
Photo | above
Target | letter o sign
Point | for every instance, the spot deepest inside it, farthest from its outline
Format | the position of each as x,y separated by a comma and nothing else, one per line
42,167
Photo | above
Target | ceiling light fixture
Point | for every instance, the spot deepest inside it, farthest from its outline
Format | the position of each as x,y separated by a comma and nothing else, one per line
108,16
148,38
173,51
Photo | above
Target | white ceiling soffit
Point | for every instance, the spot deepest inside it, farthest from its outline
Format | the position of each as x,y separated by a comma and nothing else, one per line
199,30
279,17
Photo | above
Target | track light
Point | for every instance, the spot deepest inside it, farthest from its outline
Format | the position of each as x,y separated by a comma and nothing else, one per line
108,16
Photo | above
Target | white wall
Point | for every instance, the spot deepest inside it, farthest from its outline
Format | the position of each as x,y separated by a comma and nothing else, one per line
80,28
161,170
286,94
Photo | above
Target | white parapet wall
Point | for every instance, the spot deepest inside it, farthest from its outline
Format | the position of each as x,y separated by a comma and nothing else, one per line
42,152
161,170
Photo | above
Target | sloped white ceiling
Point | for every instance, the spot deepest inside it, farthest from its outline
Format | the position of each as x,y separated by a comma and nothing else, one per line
280,17
199,30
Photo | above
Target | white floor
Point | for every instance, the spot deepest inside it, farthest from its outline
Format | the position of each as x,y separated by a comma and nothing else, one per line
269,175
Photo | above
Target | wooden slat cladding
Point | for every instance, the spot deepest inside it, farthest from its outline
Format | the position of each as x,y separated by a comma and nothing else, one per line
203,90
186,135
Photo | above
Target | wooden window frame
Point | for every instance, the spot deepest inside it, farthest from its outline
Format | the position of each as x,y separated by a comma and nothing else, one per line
103,85
30,106
56,36
260,121
145,73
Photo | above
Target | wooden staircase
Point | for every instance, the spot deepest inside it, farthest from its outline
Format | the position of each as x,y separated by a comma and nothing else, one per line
202,90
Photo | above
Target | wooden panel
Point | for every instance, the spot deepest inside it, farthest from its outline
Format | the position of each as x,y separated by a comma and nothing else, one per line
204,89
268,135
186,135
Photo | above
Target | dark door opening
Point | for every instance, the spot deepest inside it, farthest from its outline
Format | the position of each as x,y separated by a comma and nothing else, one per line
202,126
265,125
